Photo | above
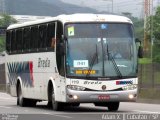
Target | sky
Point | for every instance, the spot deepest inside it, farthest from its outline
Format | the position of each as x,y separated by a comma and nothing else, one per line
133,6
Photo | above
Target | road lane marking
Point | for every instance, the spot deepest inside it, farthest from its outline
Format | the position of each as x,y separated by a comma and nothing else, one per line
7,101
7,98
26,110
63,116
58,115
146,112
5,107
80,113
87,113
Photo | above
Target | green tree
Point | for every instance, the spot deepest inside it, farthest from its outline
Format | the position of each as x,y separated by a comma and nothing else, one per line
156,34
156,24
5,21
139,28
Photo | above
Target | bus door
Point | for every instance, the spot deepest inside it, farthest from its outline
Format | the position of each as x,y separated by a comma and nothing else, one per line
60,46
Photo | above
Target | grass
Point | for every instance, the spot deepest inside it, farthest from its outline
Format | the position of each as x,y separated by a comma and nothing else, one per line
145,61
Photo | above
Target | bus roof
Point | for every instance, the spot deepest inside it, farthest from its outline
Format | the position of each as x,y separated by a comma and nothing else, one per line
77,18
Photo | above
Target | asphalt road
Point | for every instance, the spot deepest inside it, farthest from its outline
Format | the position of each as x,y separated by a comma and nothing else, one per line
9,109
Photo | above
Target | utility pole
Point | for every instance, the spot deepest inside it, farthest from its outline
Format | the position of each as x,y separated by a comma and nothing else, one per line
148,29
147,25
112,4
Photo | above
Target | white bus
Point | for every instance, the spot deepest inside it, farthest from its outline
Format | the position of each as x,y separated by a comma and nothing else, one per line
72,59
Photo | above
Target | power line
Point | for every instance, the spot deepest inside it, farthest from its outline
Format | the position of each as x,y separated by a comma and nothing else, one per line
128,4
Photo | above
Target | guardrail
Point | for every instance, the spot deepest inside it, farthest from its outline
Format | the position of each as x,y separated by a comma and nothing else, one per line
2,74
149,76
2,87
2,78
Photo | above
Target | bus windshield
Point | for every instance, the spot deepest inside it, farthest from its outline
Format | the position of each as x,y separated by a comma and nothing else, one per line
100,50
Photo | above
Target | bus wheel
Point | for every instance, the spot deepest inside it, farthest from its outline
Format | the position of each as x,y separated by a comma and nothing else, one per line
20,100
49,104
55,105
113,106
75,104
31,103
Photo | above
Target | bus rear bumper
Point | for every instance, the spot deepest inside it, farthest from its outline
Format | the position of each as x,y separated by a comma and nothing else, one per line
109,96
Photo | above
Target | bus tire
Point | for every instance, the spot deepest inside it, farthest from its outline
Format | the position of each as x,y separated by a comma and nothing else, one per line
113,106
75,104
55,105
31,102
20,99
49,104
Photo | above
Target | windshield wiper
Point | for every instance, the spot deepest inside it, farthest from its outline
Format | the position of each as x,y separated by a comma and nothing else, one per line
95,55
114,63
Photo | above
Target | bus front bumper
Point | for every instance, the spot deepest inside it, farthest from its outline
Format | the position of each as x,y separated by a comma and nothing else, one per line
107,96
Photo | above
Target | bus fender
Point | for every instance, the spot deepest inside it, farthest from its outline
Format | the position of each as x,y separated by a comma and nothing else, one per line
53,83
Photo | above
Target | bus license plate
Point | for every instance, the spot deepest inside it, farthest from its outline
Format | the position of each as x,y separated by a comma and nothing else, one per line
103,97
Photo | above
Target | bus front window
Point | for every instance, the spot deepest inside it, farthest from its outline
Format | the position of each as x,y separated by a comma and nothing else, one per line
100,50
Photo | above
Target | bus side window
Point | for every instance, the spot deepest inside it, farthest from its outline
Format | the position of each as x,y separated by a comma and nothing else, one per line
26,39
51,35
13,42
42,36
8,41
24,42
34,38
19,40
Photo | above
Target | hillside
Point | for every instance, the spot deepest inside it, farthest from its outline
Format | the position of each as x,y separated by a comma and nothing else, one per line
43,8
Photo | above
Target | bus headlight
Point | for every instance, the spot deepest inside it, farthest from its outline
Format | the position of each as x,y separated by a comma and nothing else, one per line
129,87
75,97
75,87
130,96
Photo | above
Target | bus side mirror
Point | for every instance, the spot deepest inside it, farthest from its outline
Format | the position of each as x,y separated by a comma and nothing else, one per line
140,48
140,52
137,40
64,38
61,48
